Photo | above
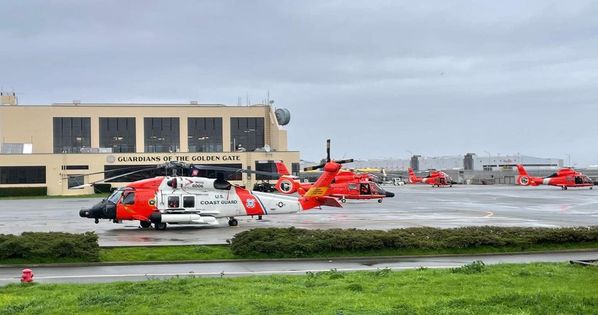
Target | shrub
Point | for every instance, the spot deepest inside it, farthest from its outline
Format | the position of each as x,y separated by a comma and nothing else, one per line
475,267
23,191
50,245
293,242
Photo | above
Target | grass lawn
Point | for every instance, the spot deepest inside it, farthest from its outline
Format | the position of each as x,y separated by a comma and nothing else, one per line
501,289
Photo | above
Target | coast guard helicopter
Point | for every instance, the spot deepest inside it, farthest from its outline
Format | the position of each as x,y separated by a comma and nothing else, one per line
346,184
564,178
196,200
435,178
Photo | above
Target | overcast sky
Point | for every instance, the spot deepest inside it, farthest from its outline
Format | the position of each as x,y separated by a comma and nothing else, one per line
381,78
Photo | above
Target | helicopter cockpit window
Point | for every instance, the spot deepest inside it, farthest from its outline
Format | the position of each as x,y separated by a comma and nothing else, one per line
173,202
129,198
115,196
376,189
364,189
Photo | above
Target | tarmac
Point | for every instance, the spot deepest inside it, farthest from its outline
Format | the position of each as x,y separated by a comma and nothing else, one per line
413,205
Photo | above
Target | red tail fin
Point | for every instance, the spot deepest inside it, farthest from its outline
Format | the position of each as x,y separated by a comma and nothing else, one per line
524,179
521,170
412,178
318,193
281,169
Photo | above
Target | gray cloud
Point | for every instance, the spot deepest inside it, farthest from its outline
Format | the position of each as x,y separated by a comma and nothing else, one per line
379,77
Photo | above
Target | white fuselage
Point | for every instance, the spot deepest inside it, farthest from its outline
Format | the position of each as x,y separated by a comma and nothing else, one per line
196,200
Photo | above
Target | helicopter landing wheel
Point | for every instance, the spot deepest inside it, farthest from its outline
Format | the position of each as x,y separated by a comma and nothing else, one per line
379,200
343,200
145,224
161,226
233,222
591,188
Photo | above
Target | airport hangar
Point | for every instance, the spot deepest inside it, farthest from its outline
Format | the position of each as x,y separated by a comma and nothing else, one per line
42,144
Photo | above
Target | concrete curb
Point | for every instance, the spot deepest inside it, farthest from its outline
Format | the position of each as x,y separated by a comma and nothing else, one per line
351,258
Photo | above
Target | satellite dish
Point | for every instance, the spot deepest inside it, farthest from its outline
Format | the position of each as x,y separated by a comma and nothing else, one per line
283,116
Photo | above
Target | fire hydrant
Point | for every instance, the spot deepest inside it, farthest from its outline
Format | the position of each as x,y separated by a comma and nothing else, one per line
27,276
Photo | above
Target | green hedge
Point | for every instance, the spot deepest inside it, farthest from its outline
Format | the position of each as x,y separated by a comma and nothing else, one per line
23,191
50,245
292,242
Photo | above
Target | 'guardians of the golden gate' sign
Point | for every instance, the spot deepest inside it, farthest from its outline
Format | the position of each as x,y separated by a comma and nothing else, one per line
168,158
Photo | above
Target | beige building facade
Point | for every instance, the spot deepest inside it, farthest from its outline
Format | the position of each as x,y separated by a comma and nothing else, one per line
43,144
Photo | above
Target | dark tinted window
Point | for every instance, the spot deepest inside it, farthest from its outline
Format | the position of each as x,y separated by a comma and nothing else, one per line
118,134
267,167
173,202
74,181
233,174
247,134
129,198
161,134
71,134
205,134
22,175
115,170
188,202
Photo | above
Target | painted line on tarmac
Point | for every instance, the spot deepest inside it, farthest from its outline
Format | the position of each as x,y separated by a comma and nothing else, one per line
231,273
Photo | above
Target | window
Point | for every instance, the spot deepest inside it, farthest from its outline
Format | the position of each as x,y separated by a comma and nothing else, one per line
247,134
129,198
161,134
118,134
296,167
205,134
71,134
188,202
266,167
173,201
75,167
352,186
233,174
150,171
22,175
74,181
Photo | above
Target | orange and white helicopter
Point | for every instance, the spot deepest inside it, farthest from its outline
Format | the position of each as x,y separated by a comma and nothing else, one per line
435,178
564,178
346,184
166,200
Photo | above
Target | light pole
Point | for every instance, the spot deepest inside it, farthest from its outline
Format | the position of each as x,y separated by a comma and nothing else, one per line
488,165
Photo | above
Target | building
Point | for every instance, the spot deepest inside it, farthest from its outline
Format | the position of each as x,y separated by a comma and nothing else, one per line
468,162
42,144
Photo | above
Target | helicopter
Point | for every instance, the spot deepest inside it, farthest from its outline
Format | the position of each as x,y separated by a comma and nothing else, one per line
346,184
435,178
164,200
564,178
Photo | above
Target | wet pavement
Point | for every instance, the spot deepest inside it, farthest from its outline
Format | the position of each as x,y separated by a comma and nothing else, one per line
414,205
92,274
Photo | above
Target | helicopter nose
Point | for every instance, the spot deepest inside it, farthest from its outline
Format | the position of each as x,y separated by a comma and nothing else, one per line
390,194
85,213
102,210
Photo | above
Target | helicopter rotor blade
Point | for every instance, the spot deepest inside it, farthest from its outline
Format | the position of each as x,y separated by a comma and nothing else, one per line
234,170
